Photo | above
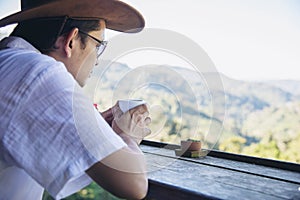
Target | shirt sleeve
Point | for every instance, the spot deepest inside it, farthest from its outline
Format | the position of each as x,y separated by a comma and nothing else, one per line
56,133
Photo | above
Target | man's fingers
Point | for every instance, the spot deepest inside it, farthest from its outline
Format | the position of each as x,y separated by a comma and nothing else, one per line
139,109
147,132
117,112
134,122
148,121
141,119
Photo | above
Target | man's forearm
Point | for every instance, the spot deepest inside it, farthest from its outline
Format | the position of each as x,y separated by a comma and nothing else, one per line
123,173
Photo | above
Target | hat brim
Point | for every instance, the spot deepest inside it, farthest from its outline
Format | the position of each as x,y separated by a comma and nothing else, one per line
118,15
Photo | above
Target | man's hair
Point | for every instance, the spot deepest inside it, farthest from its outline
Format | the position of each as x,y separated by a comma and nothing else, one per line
42,33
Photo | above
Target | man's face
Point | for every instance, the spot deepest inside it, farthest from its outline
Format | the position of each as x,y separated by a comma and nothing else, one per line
86,58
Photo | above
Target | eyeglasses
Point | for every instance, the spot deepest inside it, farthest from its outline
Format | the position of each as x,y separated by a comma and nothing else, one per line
99,48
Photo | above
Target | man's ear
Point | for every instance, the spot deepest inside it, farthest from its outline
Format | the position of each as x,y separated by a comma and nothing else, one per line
70,42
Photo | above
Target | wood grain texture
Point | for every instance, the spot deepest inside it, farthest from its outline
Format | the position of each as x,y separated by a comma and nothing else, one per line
215,178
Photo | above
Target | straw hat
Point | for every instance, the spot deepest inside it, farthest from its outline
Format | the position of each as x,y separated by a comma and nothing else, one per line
118,15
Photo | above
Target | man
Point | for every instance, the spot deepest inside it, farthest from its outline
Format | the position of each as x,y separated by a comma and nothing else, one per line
51,135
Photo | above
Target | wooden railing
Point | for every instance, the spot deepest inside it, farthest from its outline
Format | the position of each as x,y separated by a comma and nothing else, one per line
219,175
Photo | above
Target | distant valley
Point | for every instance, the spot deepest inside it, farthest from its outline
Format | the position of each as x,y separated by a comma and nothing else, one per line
257,114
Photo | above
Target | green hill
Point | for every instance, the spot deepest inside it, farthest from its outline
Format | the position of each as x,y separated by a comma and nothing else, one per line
181,103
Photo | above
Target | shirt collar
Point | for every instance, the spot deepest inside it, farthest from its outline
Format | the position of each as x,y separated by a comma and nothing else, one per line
16,42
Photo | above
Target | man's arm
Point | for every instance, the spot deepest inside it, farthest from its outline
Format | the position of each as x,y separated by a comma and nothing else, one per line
123,173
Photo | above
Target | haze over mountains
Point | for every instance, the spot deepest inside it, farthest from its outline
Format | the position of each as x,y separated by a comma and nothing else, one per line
253,110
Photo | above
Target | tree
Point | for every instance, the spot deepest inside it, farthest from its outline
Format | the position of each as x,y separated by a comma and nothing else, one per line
234,144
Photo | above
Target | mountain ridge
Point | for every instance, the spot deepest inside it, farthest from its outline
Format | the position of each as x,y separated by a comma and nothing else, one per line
254,110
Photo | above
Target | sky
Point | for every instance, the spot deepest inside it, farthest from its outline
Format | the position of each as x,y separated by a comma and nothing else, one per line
247,40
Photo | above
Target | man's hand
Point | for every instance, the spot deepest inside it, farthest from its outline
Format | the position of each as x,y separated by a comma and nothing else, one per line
108,116
133,123
128,164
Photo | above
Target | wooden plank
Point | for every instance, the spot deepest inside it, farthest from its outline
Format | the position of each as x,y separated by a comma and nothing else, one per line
264,171
236,157
216,182
161,191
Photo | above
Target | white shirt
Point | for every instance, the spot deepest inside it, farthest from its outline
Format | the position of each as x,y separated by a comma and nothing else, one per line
50,133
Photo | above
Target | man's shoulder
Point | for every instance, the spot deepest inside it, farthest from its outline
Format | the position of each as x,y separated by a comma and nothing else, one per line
23,66
27,56
29,64
21,52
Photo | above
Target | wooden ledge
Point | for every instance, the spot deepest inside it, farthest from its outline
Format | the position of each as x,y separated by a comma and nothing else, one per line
213,177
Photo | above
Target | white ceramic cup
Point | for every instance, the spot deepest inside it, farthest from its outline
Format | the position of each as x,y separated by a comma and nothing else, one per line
127,104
